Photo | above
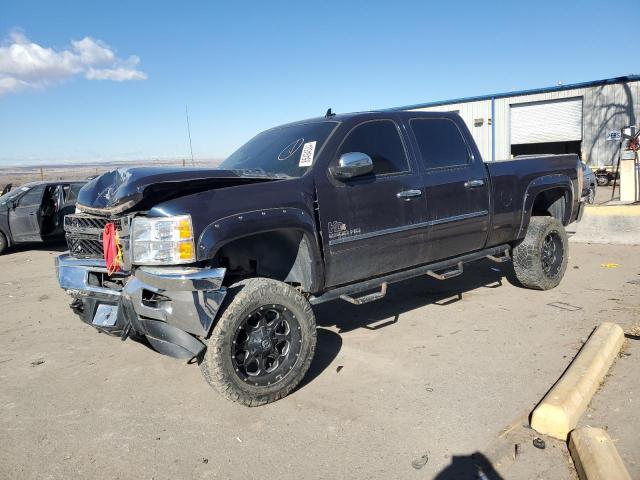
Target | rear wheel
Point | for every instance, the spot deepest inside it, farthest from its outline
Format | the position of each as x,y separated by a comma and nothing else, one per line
602,180
540,260
3,243
263,343
591,198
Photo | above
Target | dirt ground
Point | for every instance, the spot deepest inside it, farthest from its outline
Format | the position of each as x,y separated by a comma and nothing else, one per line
430,382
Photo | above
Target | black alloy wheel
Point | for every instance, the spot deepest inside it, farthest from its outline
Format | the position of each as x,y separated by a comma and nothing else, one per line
551,255
266,345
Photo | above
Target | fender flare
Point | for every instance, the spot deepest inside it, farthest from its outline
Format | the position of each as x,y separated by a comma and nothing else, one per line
539,185
228,229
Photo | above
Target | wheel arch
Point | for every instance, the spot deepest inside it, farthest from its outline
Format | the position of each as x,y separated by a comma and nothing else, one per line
280,243
550,195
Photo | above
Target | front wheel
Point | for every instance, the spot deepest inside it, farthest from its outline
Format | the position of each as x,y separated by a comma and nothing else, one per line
262,344
3,243
540,260
602,180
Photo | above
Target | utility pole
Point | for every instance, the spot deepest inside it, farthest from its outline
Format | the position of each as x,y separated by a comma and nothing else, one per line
186,111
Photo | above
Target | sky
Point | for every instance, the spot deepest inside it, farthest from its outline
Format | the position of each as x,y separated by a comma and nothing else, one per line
84,81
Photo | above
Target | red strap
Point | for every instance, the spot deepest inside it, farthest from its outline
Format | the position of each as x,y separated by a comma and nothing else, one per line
110,248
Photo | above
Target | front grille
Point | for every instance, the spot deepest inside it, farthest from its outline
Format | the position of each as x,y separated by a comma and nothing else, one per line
84,233
88,224
84,247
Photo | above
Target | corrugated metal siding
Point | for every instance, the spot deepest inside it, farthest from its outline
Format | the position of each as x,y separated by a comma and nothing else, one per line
541,122
605,108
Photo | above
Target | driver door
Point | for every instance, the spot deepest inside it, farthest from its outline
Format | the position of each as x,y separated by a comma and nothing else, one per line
24,217
370,224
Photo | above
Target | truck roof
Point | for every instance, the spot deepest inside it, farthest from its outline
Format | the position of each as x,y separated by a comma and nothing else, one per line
369,115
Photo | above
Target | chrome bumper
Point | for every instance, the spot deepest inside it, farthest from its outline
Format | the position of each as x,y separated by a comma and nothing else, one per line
162,303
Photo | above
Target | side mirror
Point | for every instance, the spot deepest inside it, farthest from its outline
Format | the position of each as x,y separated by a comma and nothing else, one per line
352,164
11,204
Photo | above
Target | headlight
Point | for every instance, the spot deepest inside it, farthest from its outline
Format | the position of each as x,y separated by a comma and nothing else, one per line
162,241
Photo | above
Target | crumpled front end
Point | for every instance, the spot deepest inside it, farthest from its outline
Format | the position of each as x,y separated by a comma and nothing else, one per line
173,307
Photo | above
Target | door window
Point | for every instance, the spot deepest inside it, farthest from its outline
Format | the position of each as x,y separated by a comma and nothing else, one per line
440,142
32,197
380,140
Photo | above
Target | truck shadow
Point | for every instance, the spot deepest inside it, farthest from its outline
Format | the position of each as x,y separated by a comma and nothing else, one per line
401,297
414,293
474,466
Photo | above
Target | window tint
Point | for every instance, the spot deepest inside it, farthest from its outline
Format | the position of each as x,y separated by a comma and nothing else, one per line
32,197
381,141
440,142
75,189
70,192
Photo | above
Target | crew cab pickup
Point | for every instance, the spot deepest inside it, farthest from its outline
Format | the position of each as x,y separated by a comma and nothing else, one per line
221,266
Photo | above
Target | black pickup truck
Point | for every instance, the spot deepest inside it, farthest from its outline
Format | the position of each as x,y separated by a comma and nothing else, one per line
221,266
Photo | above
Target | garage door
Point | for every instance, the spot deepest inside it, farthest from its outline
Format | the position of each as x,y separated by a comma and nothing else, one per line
542,122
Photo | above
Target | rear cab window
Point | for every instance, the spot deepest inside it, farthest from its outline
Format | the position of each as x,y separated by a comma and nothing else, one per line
381,140
440,143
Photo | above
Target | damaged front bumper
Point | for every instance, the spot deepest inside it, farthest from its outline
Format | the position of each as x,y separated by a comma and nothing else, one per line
173,307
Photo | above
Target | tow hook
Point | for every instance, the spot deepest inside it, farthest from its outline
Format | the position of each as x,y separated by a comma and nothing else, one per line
77,306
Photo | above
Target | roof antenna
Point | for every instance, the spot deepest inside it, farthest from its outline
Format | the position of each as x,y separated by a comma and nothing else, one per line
186,111
329,114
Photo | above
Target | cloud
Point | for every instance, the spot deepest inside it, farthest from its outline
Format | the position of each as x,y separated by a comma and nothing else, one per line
27,65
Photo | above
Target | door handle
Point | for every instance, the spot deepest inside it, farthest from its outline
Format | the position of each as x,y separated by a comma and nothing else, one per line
473,183
409,194
32,213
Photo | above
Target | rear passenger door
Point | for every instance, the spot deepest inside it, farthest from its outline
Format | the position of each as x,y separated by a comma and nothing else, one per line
456,188
370,224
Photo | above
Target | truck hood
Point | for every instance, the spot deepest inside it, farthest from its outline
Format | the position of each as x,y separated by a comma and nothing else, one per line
125,188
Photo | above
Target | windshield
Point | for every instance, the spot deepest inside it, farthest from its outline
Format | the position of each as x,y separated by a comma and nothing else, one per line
284,151
12,194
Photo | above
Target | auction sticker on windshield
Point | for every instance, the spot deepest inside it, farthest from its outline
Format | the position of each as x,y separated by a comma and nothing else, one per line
306,157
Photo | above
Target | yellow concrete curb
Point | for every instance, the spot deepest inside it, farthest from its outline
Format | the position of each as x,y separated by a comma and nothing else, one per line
595,456
558,412
613,210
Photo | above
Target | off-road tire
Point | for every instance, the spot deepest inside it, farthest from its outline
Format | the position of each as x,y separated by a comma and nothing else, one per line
528,256
243,298
3,243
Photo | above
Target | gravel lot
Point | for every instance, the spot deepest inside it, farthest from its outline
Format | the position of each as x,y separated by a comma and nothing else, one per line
436,372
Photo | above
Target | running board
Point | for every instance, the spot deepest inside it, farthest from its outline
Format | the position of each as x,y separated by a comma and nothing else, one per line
398,276
505,257
371,297
447,274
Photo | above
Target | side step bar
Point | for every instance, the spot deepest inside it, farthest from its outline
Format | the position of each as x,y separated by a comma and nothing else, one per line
505,257
372,297
355,288
447,274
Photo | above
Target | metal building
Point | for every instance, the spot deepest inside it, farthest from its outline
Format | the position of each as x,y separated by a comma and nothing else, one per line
578,118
